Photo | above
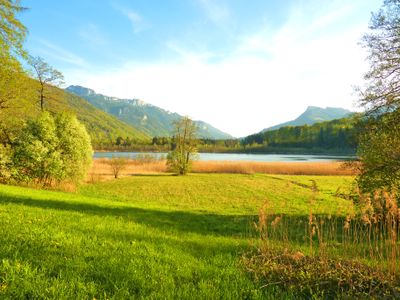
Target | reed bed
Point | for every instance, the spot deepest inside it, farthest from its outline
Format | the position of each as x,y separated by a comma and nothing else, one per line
354,255
284,168
101,169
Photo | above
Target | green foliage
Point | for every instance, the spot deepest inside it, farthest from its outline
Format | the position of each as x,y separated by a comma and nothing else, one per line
16,94
74,146
104,129
184,150
339,134
380,141
379,152
12,31
50,150
149,119
314,115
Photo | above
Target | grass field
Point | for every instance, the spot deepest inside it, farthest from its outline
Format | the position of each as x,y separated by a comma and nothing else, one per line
154,236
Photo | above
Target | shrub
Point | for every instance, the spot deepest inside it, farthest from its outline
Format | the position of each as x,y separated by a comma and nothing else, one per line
51,150
117,164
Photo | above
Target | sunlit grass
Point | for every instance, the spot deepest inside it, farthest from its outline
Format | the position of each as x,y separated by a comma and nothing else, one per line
143,236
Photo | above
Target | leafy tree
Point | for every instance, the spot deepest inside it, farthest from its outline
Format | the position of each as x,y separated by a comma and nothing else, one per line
45,75
12,31
74,146
184,148
36,156
16,92
52,149
15,87
379,149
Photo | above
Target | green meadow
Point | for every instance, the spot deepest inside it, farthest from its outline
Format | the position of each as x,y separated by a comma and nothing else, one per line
156,236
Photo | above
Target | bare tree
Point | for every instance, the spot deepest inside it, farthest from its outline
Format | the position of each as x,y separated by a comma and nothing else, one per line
46,76
117,164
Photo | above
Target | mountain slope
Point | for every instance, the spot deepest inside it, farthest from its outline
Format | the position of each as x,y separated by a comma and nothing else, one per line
102,127
314,115
148,118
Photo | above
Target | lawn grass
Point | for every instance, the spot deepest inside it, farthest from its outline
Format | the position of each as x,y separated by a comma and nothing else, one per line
146,236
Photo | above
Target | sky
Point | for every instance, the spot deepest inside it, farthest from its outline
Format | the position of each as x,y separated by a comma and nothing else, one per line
240,65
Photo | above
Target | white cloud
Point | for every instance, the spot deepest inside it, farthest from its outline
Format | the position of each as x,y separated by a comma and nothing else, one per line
271,77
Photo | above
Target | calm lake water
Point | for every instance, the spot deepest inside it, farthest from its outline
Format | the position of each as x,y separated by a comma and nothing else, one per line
236,156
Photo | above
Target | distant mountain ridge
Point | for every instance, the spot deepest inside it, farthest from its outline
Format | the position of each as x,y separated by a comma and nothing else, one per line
150,119
314,114
103,128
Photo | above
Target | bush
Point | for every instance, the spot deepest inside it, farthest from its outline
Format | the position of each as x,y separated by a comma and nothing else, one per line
117,164
51,149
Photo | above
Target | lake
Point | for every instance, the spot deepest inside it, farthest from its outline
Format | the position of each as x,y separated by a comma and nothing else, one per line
237,156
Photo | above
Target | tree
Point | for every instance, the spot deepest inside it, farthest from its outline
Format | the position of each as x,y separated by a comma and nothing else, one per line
46,75
379,142
51,150
184,148
382,92
117,164
12,31
15,86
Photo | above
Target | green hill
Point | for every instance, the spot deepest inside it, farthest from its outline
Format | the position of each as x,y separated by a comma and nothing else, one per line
314,114
338,134
148,118
103,128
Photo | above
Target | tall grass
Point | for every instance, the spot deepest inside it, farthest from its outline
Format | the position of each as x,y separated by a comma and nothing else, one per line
364,245
287,168
147,165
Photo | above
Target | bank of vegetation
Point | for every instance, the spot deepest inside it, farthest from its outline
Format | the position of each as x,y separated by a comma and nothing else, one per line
234,236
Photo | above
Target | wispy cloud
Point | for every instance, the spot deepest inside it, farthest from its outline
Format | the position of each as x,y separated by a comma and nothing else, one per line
137,21
271,75
92,34
49,49
216,10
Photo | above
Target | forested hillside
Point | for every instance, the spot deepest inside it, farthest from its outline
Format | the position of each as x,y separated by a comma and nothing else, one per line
314,114
104,129
336,134
148,118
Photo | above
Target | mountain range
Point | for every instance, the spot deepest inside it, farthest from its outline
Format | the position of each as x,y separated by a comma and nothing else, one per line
312,115
145,117
103,128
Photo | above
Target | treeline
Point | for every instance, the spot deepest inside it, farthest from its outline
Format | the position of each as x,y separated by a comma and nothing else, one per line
337,134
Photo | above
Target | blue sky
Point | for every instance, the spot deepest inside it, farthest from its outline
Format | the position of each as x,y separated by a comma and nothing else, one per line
239,65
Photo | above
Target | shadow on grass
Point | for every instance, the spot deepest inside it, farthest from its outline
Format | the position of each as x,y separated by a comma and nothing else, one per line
200,223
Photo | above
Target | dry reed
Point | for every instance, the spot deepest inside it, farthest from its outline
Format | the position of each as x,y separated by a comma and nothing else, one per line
354,255
101,169
289,168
